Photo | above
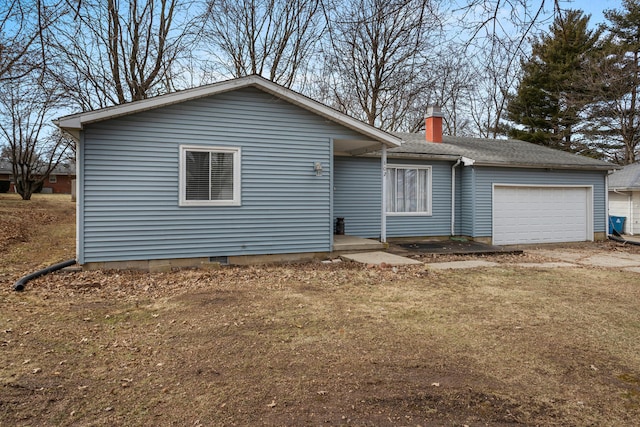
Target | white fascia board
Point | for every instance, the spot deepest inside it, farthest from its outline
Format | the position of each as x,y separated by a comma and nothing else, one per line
77,121
544,166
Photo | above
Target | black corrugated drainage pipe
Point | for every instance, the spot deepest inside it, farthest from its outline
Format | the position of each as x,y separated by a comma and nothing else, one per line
617,237
622,240
19,285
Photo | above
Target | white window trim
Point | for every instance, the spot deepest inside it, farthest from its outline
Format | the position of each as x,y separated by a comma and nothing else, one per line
429,188
53,179
237,184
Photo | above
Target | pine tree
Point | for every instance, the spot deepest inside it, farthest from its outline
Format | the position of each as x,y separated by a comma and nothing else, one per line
551,94
615,113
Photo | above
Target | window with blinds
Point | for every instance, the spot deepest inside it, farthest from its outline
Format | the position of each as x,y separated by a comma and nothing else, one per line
409,190
210,176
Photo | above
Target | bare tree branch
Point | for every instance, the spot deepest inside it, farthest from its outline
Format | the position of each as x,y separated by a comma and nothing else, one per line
273,38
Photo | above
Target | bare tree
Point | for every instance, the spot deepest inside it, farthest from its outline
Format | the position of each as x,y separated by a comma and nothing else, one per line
34,148
495,35
273,38
377,65
24,26
113,51
497,71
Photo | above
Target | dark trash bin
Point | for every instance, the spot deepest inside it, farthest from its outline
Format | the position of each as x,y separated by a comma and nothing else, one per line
339,226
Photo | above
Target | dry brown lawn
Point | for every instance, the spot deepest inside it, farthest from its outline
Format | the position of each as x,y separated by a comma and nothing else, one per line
311,344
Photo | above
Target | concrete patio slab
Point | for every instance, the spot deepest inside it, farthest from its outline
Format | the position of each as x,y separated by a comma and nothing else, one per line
563,255
458,247
545,264
377,258
617,260
455,265
352,243
597,259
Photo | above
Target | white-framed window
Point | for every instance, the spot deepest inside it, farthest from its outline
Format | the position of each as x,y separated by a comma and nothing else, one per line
408,190
53,179
209,176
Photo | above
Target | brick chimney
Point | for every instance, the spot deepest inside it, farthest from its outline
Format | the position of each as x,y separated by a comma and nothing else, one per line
433,124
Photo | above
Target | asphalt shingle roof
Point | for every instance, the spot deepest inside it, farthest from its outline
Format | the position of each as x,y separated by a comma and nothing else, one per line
495,152
626,178
61,169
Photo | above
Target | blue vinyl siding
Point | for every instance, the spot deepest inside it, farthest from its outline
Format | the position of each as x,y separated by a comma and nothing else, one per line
357,195
467,206
458,204
357,198
485,177
129,201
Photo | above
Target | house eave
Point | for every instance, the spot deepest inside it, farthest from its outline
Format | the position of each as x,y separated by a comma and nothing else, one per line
76,122
392,155
624,189
546,166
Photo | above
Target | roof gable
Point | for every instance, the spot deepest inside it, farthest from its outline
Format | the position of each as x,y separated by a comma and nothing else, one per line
626,178
76,122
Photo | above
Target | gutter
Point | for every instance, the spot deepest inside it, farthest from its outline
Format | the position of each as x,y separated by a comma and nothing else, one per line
547,166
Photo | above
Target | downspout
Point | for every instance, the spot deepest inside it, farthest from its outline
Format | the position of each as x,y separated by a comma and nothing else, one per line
631,221
383,223
453,196
331,195
606,204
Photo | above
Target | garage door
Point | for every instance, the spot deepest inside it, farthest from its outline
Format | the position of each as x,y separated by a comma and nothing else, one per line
541,214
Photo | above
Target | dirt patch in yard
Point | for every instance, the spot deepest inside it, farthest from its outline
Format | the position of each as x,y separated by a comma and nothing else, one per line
322,344
35,233
316,344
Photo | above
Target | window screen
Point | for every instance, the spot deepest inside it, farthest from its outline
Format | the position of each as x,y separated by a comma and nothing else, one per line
408,190
210,176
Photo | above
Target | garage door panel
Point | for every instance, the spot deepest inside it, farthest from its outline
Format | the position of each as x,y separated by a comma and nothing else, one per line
540,214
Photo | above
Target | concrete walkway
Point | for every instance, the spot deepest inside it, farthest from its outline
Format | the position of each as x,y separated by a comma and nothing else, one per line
621,260
378,258
455,265
559,258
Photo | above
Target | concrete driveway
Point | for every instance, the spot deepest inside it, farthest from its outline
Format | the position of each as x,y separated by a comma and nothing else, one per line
593,256
606,254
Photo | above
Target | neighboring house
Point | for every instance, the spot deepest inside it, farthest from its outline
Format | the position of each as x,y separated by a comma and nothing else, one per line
249,168
624,196
59,181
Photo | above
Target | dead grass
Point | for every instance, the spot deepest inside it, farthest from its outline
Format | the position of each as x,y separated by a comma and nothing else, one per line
35,233
320,344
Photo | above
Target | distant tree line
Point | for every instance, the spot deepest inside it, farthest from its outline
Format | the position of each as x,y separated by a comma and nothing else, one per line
493,65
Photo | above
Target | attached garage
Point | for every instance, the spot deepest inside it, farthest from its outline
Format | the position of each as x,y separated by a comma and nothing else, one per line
542,214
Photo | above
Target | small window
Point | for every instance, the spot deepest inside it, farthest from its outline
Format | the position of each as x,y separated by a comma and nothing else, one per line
53,179
409,190
209,176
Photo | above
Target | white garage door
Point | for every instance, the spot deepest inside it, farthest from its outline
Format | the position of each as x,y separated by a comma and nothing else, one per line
541,214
